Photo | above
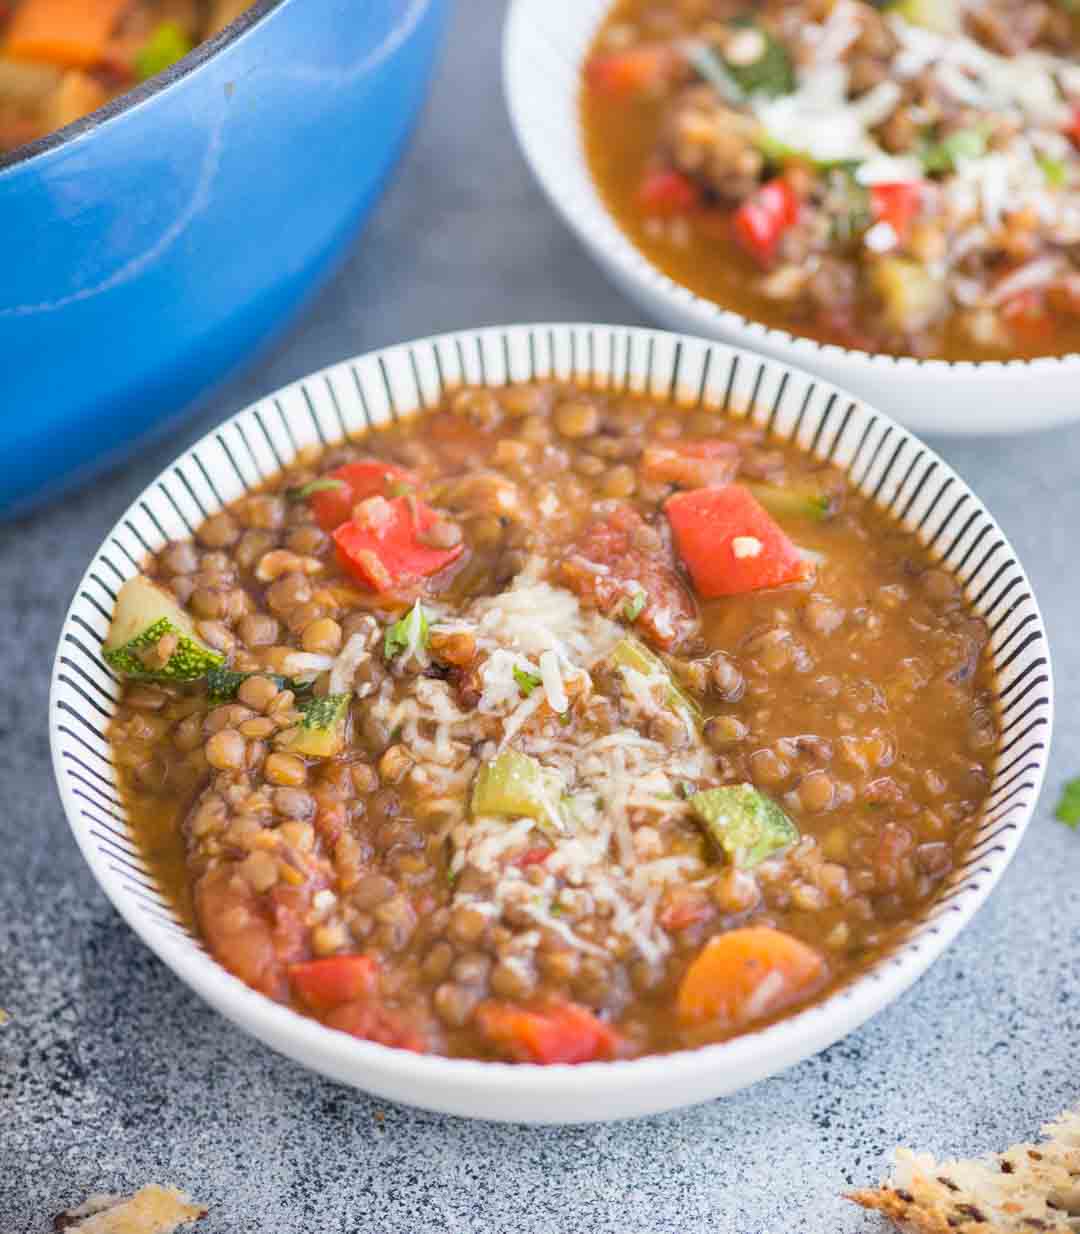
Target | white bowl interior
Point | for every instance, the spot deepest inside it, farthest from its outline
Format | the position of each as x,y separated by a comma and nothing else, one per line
883,461
544,48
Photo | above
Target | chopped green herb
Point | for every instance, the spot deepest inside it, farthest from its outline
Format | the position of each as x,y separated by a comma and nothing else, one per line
412,631
325,484
527,681
940,157
635,606
1068,808
1054,171
770,72
161,50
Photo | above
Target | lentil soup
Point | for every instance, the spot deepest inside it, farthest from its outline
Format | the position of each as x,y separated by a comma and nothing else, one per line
899,177
555,726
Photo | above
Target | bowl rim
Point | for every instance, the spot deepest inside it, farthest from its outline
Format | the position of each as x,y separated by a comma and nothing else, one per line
115,862
535,137
184,67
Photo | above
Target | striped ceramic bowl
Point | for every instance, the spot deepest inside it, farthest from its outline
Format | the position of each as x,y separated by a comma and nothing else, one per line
882,460
543,51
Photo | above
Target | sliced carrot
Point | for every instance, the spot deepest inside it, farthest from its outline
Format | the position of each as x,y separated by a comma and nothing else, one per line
71,33
367,477
747,974
730,543
327,983
708,463
566,1033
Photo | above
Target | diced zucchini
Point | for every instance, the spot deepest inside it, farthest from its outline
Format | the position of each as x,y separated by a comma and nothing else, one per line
145,614
631,655
910,295
746,824
795,501
941,16
322,728
222,684
517,786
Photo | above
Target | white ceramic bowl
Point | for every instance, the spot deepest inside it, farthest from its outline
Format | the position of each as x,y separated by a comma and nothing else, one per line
882,460
544,46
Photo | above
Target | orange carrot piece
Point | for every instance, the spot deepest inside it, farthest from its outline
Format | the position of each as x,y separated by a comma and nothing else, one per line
70,33
747,974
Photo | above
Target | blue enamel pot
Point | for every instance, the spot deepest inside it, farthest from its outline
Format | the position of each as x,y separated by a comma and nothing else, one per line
151,248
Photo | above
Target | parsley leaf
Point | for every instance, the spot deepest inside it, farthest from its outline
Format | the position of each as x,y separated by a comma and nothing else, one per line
635,606
323,485
527,681
411,631
1068,808
939,157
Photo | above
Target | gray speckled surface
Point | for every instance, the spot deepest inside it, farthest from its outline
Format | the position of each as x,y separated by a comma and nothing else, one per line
112,1074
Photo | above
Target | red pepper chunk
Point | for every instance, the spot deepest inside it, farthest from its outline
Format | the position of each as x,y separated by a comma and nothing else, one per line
763,218
896,204
325,984
1072,129
730,543
566,1033
667,193
367,477
385,551
640,70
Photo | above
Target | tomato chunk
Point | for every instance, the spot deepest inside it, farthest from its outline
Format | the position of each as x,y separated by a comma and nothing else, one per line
384,549
747,974
709,463
367,477
640,70
666,192
327,983
896,204
1027,315
763,218
730,543
566,1033
636,583
373,1022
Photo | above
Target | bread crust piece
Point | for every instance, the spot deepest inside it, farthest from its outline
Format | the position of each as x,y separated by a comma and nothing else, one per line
1028,1189
151,1210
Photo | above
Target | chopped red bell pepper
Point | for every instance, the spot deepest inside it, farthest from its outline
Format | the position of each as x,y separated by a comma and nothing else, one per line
763,218
367,477
1072,129
730,543
327,983
667,192
566,1033
384,550
708,463
896,204
639,70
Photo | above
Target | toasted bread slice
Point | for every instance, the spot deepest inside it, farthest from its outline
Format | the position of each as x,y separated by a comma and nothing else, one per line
152,1210
1028,1189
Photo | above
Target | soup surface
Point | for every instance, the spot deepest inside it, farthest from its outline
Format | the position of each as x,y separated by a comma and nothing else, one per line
62,59
553,726
900,177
